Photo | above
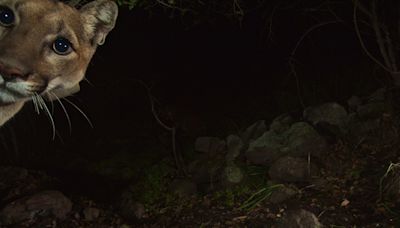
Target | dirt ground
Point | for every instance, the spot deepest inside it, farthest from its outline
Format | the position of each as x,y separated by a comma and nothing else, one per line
347,194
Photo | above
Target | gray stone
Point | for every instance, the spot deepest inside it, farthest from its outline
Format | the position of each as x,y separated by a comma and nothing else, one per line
362,129
12,174
371,110
377,96
281,123
40,204
254,131
279,195
233,174
234,145
329,113
291,169
265,149
91,213
299,218
302,139
16,182
354,102
209,145
263,155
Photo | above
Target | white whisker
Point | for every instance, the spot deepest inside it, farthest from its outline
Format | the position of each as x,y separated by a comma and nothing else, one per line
34,100
52,104
39,101
79,110
47,111
65,111
89,82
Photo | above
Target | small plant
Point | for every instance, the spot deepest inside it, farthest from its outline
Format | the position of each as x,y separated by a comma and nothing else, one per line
153,186
390,170
259,196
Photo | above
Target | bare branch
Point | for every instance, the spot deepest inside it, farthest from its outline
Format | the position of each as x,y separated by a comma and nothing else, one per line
363,46
390,49
308,32
177,156
379,38
362,8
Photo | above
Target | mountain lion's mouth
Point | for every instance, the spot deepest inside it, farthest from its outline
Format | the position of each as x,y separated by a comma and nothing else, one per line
10,92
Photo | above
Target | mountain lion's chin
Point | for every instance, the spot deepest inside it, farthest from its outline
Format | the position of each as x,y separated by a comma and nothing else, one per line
6,104
10,103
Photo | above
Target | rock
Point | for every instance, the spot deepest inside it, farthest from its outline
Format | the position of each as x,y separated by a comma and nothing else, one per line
262,155
354,102
254,131
233,174
16,182
330,116
298,219
322,183
291,169
12,174
9,179
281,123
302,139
265,149
40,204
209,145
183,188
234,145
331,113
377,96
91,213
371,110
279,195
362,130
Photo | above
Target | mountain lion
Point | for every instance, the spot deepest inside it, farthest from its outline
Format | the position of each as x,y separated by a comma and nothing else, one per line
45,48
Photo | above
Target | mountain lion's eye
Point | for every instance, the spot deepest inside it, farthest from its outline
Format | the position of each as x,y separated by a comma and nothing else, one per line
62,46
6,16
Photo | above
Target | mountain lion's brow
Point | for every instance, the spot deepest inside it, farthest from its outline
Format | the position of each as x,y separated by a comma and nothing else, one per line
60,26
19,4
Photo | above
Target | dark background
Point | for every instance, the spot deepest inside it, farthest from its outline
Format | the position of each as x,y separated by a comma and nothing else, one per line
211,77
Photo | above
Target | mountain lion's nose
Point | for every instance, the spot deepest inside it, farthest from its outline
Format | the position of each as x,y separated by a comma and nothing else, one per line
10,73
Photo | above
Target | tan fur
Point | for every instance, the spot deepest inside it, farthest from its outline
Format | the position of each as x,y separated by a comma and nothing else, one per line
26,48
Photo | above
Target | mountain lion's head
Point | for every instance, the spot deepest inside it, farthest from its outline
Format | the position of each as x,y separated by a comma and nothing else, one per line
46,46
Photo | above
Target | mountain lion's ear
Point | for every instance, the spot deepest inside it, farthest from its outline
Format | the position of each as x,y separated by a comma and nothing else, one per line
99,18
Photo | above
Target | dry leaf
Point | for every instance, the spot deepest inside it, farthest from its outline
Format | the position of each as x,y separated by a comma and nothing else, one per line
345,203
